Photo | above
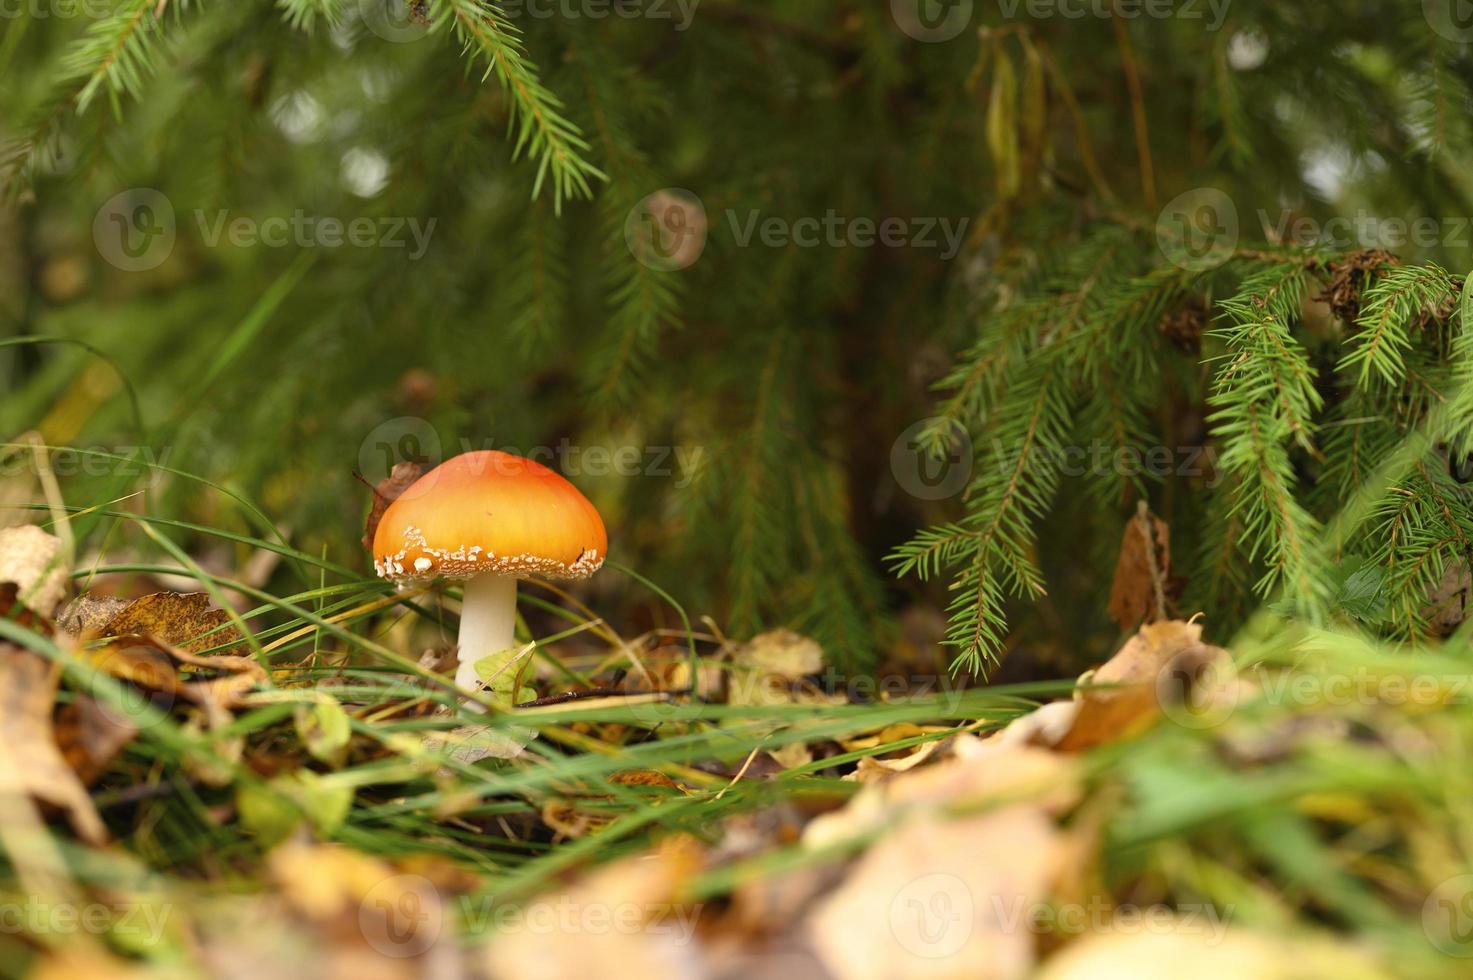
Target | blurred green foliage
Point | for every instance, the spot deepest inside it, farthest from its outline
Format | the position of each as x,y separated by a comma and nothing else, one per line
770,378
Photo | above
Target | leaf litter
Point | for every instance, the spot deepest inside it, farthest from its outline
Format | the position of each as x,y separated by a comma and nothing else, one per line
940,858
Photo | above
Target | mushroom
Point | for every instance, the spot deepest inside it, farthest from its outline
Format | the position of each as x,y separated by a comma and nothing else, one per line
488,518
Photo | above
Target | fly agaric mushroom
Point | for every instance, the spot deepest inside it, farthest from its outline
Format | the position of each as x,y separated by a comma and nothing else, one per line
488,518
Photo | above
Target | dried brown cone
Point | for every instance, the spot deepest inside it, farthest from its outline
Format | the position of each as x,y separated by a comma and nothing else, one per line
1349,278
1184,327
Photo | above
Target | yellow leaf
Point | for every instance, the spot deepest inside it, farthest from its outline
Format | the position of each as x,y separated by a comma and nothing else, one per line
1002,126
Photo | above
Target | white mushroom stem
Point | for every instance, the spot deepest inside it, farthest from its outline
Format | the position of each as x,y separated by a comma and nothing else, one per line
488,622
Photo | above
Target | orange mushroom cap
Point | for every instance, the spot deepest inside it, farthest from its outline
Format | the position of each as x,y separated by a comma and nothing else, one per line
493,513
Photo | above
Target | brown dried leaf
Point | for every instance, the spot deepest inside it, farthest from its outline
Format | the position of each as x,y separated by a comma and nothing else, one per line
388,490
1447,605
1131,703
1138,593
768,904
1045,726
368,919
791,756
178,619
154,667
88,615
32,559
934,899
1206,950
781,654
568,821
11,608
31,764
77,961
651,933
645,777
90,736
980,772
874,768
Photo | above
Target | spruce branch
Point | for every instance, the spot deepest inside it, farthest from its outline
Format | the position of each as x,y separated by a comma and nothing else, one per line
117,52
1264,402
115,56
541,129
304,14
1394,308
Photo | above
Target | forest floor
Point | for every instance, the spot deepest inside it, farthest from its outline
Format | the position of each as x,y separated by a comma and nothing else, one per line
201,778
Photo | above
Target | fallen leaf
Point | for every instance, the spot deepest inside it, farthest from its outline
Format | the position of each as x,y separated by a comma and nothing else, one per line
31,763
90,736
1045,726
644,777
980,772
178,619
565,819
1138,593
369,915
31,558
792,755
626,921
87,614
872,768
89,962
389,489
252,936
936,897
470,744
1447,604
1123,697
501,674
876,767
324,728
323,881
1175,948
274,810
781,653
769,904
668,668
152,664
771,671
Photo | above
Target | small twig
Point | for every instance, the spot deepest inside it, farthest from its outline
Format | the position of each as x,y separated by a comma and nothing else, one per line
598,692
1081,131
740,772
1137,112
